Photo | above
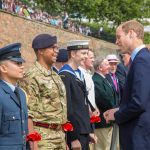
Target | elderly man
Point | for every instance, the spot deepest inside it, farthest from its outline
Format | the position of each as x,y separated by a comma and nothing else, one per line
105,99
133,114
111,76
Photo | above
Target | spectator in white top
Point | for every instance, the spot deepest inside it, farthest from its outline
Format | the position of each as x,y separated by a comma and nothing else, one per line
86,67
65,20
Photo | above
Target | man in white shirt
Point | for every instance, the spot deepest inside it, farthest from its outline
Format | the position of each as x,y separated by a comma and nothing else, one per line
86,67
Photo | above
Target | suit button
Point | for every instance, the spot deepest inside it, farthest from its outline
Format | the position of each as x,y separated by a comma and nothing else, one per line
13,117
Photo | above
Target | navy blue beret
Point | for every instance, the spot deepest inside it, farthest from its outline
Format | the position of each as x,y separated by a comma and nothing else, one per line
11,52
43,41
62,55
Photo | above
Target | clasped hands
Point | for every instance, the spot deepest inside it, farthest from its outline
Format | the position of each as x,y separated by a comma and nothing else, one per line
109,115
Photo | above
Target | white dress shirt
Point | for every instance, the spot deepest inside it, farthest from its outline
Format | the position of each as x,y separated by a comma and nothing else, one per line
89,85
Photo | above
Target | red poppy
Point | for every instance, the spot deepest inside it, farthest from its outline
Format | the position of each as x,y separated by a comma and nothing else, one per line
67,127
95,119
34,136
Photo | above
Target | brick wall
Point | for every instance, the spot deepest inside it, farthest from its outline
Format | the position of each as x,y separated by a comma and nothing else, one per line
18,29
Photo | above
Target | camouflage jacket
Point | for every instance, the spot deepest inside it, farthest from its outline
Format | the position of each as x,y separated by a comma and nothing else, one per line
46,95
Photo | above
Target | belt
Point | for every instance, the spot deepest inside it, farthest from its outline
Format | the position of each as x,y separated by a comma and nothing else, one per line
49,126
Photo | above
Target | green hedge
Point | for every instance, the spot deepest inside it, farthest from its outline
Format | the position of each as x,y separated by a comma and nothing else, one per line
109,33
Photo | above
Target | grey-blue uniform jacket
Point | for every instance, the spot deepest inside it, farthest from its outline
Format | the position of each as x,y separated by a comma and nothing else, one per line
13,119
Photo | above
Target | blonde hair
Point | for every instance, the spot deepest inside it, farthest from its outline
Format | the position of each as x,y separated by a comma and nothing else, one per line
135,26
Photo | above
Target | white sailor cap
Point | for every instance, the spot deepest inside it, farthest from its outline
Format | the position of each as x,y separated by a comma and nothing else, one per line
78,44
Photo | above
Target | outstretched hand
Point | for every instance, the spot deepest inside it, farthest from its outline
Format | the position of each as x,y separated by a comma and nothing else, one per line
109,115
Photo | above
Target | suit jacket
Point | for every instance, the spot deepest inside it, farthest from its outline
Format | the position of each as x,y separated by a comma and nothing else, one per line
117,93
77,107
133,116
13,119
104,97
121,74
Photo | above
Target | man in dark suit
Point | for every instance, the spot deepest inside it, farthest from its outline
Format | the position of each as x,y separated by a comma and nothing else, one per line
133,114
105,99
13,108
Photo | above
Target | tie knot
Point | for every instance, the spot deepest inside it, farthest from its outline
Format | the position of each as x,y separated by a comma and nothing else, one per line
16,91
113,74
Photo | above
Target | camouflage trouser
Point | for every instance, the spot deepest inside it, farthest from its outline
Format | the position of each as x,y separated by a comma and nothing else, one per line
51,139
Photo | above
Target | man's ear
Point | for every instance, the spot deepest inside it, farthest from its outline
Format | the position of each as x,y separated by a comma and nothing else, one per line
73,54
3,68
40,51
132,34
99,68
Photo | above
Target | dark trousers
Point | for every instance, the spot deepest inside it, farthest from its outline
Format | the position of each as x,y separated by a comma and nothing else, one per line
84,140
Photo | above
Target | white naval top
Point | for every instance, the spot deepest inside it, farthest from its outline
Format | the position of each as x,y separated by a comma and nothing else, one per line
89,85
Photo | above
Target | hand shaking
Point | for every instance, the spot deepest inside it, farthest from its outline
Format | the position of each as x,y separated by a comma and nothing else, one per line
109,115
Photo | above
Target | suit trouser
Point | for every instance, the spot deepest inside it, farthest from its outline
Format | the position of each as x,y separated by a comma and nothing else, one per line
104,136
115,138
84,140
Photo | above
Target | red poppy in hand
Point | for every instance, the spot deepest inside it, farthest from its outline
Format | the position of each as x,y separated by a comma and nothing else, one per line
95,119
67,127
34,136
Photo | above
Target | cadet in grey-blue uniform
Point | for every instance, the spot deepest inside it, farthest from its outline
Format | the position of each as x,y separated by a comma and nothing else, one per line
13,108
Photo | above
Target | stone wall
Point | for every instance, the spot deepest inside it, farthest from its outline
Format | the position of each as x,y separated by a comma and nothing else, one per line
18,29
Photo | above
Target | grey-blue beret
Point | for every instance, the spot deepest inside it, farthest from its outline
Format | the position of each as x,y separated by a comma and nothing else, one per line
11,52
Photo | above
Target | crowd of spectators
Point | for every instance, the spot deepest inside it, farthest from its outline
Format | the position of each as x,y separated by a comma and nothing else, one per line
17,7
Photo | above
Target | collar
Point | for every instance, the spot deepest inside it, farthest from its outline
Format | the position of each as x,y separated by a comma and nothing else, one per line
55,69
10,85
84,71
67,68
136,50
101,74
77,73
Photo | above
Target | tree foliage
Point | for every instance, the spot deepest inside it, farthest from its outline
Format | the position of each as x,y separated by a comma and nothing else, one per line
122,10
98,10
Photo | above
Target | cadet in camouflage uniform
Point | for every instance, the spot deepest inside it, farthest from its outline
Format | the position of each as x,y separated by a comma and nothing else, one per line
46,96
